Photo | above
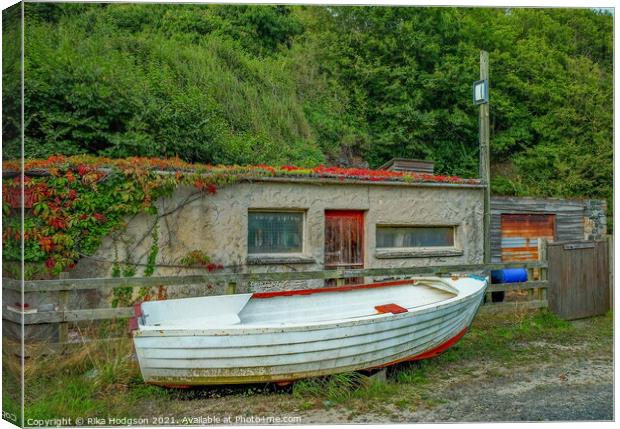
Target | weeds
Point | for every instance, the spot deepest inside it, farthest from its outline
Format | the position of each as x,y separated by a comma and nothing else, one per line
114,366
91,379
11,386
411,373
335,388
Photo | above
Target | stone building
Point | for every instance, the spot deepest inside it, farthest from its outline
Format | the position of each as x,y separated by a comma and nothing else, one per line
294,224
291,223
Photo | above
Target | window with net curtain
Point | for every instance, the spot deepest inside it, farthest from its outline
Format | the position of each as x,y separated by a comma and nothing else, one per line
275,232
414,236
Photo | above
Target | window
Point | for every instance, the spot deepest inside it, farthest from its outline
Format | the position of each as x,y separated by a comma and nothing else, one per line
275,232
415,236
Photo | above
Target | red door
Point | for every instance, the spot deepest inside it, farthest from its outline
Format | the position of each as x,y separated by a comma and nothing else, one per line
344,241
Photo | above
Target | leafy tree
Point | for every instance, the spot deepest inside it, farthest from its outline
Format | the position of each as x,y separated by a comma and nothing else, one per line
11,82
310,85
409,71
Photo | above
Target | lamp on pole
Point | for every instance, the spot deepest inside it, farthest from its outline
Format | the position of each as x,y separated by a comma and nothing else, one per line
481,98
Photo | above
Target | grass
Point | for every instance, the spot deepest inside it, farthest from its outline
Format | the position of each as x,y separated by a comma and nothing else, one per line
103,378
100,378
11,390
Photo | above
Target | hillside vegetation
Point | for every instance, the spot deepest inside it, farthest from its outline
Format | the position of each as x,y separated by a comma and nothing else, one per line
323,85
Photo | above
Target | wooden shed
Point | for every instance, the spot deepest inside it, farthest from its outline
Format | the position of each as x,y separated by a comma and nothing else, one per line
409,165
518,223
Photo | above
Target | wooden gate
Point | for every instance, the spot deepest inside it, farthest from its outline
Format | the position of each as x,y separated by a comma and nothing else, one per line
578,278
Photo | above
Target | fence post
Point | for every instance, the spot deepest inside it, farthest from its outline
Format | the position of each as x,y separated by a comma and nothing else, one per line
610,266
542,257
488,296
231,289
63,327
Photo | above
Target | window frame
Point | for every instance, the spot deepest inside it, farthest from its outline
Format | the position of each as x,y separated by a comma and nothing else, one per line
419,251
264,256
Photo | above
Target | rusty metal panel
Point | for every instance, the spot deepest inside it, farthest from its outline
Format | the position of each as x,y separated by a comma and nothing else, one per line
520,234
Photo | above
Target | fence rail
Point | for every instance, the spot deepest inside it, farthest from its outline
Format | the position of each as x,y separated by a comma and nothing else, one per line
64,315
113,282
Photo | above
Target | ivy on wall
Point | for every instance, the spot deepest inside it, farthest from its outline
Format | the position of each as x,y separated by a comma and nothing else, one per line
73,202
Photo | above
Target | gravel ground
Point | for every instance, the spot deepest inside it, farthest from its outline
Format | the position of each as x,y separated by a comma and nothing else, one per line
570,390
576,390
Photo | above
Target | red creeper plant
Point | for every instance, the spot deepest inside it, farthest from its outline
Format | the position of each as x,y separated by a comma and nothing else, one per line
73,202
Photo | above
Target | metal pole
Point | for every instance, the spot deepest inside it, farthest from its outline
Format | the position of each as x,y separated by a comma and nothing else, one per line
485,173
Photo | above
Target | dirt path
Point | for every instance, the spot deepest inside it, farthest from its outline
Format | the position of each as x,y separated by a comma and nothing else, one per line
574,390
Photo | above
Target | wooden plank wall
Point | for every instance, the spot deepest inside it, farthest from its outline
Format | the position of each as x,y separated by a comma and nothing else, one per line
579,278
569,216
409,165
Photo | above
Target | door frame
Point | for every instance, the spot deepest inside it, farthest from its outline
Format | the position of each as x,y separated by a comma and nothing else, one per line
359,214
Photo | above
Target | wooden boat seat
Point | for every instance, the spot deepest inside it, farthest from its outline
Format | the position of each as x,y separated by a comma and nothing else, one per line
390,308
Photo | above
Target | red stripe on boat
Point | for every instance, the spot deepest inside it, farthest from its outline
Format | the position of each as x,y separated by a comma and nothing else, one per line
137,310
132,325
391,308
429,353
441,348
331,289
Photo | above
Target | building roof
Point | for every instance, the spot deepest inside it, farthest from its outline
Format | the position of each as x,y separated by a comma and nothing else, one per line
42,167
409,165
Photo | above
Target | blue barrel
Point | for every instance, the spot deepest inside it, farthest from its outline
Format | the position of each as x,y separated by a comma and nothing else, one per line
509,275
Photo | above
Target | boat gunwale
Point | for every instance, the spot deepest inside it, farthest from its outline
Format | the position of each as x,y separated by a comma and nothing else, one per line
245,331
340,333
240,330
336,289
407,326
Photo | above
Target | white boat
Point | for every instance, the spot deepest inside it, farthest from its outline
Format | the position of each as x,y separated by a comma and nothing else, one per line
289,335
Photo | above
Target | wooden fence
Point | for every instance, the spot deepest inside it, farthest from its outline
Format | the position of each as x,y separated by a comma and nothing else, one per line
60,316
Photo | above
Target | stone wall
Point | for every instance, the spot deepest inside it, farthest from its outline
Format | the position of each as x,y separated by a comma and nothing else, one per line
595,219
217,224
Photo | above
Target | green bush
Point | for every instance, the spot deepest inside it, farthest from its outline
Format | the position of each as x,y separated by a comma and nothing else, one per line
311,85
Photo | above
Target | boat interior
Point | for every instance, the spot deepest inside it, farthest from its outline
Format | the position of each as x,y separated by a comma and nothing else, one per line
293,308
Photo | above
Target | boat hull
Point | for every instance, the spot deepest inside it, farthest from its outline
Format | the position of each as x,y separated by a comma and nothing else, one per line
182,357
